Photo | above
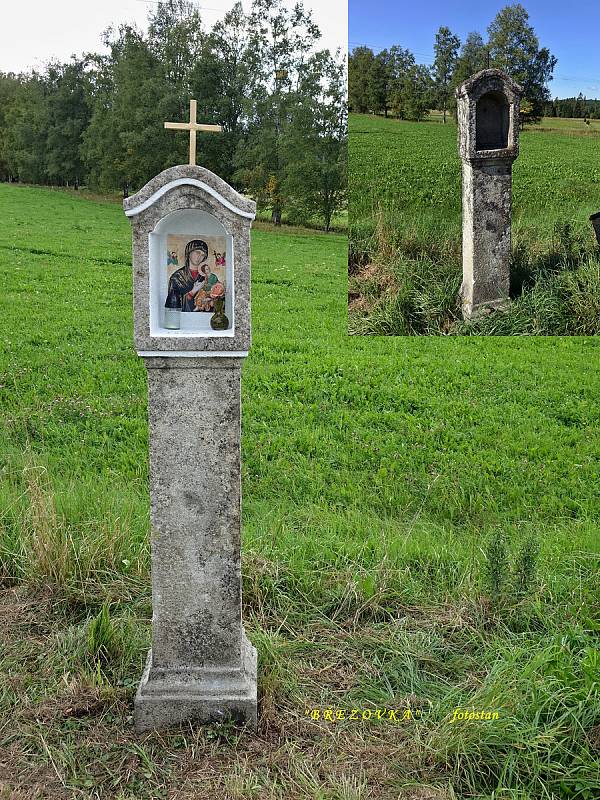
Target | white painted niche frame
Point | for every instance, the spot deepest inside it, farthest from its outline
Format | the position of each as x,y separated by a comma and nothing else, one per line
196,224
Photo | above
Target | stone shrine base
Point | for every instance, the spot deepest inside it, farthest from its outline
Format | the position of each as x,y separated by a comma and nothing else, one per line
484,308
167,697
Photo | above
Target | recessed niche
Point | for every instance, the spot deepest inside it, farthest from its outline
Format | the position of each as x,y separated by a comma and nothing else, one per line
491,122
191,275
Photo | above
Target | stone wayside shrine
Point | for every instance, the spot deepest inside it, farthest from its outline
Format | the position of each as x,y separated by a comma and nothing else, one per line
191,295
488,143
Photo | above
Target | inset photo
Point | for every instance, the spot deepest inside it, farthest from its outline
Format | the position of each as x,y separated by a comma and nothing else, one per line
474,170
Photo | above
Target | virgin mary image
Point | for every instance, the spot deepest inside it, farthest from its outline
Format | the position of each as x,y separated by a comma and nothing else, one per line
190,286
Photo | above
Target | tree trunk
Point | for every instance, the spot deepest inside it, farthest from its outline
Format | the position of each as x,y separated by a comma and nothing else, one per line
328,214
276,215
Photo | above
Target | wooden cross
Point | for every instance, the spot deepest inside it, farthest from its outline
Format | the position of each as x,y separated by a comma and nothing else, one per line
192,126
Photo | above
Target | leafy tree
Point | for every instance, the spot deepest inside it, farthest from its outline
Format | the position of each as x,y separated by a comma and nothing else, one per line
412,93
360,70
27,125
514,48
125,143
175,39
315,143
223,78
9,89
473,57
281,40
401,67
101,147
580,107
446,55
68,117
526,111
379,81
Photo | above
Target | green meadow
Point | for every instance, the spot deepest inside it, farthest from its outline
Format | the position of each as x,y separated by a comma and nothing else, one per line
420,533
405,230
574,125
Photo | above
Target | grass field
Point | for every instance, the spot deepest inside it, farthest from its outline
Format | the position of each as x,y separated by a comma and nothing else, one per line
562,124
420,532
405,230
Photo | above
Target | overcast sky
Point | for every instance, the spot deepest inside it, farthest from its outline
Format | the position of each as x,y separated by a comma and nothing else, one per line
32,33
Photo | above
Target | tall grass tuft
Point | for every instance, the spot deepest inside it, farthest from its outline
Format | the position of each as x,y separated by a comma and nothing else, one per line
547,701
74,539
525,566
510,581
47,551
555,285
581,291
102,641
496,566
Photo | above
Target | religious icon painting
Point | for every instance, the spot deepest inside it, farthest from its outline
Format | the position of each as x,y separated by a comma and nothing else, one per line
196,272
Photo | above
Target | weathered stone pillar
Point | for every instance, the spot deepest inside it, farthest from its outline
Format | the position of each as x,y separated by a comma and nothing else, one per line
488,143
191,262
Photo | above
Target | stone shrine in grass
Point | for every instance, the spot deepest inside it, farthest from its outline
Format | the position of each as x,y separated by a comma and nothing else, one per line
191,295
488,143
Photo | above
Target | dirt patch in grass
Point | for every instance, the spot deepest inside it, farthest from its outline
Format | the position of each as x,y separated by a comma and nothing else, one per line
379,274
358,304
368,284
422,793
594,738
78,701
18,608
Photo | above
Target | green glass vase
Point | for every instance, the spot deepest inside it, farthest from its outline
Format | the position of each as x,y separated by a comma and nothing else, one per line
218,321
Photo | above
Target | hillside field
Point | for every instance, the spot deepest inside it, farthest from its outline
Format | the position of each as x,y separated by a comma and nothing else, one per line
405,230
421,534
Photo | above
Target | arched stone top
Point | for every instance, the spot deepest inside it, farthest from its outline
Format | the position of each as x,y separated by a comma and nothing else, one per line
188,175
489,80
194,202
488,117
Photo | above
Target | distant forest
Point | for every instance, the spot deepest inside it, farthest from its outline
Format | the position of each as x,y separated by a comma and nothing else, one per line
578,107
98,119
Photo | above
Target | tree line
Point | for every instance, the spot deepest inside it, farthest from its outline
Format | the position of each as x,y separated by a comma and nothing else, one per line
392,82
578,107
98,119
